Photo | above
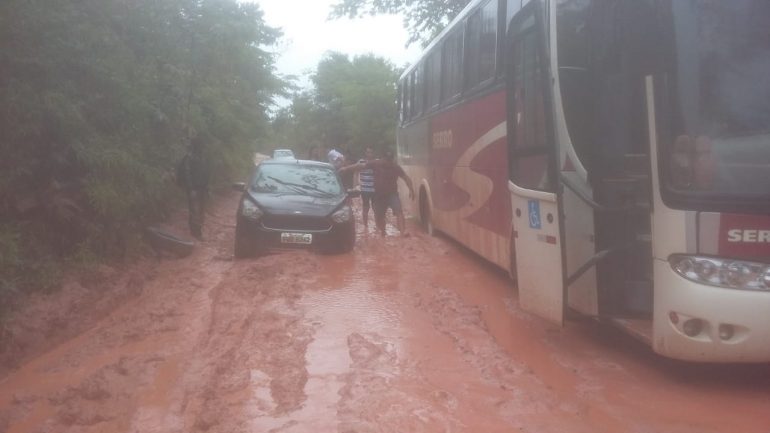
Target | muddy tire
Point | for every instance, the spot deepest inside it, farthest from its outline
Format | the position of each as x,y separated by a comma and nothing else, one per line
350,243
346,246
426,221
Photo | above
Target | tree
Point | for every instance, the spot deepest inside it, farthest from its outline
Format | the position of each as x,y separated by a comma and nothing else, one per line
352,105
424,19
98,100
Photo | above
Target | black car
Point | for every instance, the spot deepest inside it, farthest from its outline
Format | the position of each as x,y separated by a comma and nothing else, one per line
294,204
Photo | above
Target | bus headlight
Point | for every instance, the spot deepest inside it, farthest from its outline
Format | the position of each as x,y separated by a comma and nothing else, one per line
343,215
732,274
250,210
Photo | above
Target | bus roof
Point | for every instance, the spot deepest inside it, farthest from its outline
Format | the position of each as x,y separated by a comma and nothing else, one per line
461,16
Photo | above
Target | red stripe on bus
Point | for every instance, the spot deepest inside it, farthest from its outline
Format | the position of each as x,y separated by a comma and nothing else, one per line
551,240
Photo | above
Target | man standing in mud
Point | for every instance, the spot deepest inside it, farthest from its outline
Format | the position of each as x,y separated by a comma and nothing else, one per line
366,181
193,175
386,173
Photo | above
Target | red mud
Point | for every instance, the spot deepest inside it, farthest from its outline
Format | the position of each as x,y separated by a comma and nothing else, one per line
403,335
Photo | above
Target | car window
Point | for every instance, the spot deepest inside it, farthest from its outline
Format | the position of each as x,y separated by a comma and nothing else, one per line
283,154
296,179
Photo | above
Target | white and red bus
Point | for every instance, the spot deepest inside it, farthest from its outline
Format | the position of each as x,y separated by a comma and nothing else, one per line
613,155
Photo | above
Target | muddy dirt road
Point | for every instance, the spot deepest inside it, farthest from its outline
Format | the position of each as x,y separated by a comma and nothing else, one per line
403,335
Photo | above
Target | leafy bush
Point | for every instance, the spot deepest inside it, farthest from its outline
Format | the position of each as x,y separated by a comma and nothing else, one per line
99,100
352,105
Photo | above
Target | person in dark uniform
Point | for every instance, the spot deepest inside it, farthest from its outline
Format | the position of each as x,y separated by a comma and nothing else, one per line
386,173
193,175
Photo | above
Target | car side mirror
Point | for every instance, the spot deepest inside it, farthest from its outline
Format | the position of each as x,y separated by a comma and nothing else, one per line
354,193
239,186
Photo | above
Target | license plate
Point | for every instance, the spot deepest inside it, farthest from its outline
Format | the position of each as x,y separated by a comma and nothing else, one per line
296,238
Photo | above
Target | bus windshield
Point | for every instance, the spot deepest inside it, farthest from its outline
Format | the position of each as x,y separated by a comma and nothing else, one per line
720,147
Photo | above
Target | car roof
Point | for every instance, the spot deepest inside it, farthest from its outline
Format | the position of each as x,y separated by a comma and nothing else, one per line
302,162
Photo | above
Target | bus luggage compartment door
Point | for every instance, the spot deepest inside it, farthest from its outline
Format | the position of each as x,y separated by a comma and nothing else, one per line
538,253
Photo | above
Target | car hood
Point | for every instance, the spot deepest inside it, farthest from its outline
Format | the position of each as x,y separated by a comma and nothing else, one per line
291,204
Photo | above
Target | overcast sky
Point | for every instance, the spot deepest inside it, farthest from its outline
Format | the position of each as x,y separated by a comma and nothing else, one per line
308,35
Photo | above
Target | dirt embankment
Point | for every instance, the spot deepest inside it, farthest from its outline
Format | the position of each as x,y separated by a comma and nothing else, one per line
43,321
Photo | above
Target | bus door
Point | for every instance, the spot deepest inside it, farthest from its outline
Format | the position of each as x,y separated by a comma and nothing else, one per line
537,222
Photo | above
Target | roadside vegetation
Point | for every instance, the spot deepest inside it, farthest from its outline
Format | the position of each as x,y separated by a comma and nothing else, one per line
423,19
99,98
350,105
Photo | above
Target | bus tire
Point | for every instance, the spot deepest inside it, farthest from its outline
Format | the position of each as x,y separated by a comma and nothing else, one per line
426,220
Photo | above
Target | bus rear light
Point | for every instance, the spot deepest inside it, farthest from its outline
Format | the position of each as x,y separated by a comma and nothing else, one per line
705,269
737,274
731,274
673,317
692,327
726,332
766,278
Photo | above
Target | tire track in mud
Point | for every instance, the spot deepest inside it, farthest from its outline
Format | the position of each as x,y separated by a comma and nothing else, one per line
520,397
106,378
376,399
251,361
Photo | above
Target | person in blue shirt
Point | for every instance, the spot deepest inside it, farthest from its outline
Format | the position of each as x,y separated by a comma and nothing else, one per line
366,183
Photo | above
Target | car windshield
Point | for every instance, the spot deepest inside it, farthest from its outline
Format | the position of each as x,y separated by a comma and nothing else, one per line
318,181
721,142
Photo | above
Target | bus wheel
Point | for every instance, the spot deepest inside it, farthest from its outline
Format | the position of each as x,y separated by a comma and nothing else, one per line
425,216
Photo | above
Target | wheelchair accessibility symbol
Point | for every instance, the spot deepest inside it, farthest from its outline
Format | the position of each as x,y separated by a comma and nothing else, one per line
534,214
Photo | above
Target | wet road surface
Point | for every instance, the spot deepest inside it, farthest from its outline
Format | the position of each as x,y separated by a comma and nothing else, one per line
403,335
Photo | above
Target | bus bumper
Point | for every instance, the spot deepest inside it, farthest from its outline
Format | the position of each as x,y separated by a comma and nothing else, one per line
734,324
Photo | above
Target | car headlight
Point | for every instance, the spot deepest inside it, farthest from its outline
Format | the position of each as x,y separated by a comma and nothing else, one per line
344,214
250,210
732,274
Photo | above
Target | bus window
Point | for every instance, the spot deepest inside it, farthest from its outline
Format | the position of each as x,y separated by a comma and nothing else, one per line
623,50
511,7
408,96
530,161
419,90
481,45
433,74
721,102
452,66
574,75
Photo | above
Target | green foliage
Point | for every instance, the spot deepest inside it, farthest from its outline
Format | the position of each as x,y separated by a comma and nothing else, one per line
352,106
9,262
99,98
21,268
424,19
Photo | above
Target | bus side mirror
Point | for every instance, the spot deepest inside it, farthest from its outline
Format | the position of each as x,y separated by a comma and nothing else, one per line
239,186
